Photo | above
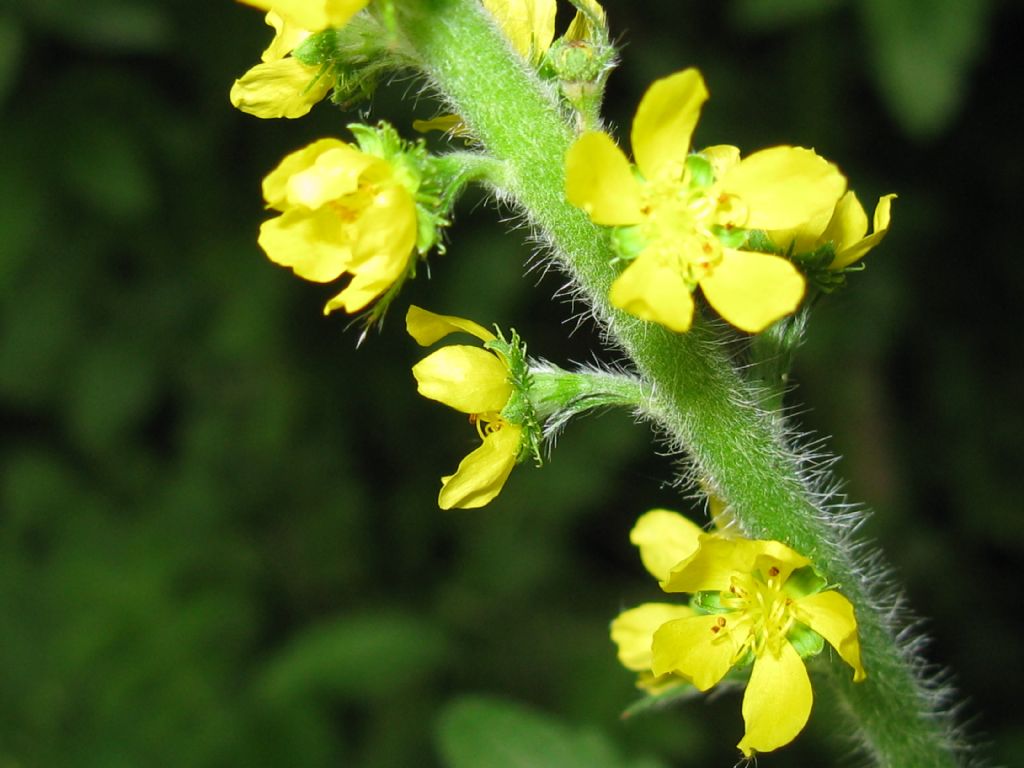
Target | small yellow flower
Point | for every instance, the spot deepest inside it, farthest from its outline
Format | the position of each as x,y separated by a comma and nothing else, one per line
685,216
474,381
341,211
845,228
755,602
281,85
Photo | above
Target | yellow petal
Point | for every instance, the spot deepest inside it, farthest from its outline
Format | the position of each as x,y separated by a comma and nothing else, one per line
777,702
717,560
334,173
528,24
653,292
310,242
753,290
468,379
699,648
369,280
388,227
482,474
830,614
285,88
783,187
598,179
665,120
633,631
313,15
427,327
722,157
287,37
581,27
275,184
383,239
848,224
858,249
665,538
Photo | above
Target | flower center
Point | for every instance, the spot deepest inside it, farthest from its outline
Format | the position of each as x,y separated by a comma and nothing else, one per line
487,423
686,220
763,616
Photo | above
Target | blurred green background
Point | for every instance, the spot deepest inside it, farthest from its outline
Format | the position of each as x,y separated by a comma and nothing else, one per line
218,537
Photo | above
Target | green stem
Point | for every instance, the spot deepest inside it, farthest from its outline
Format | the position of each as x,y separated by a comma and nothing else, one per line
697,397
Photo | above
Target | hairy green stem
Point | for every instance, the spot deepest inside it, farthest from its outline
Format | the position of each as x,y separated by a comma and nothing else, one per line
697,396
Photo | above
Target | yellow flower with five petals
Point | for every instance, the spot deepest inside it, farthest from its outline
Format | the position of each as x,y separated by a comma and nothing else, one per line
477,382
755,602
342,211
681,218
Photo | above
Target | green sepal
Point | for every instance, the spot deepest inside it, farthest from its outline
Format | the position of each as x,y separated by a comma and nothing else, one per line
628,242
803,582
805,641
319,48
730,237
702,174
519,409
708,602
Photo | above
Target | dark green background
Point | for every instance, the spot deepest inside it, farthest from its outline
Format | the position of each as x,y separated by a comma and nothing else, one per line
218,537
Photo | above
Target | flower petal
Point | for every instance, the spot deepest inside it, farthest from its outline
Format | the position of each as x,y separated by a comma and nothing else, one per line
718,559
284,88
633,631
287,37
427,327
313,15
665,120
598,179
468,379
777,702
275,183
831,615
698,647
650,291
482,474
528,24
783,187
665,538
858,249
848,224
753,290
722,157
310,242
333,174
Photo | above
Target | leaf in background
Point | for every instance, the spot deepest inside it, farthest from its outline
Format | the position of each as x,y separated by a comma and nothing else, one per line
768,15
923,54
365,656
481,732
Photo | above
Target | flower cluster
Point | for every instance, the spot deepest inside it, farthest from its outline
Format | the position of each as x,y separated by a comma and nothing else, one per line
753,233
755,604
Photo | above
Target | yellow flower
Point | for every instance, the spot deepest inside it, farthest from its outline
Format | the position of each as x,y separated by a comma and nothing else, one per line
683,217
341,211
474,381
845,228
281,85
754,601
